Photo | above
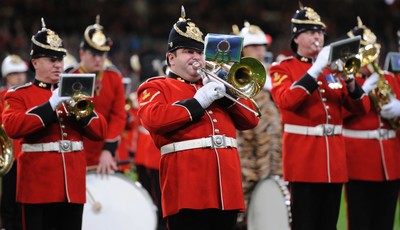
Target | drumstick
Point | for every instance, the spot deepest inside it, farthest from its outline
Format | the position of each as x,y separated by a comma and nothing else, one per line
96,205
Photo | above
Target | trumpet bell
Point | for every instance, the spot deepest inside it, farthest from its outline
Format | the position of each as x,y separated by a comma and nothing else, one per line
351,65
248,76
80,105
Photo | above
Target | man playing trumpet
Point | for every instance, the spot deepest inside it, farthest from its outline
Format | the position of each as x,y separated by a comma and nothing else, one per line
371,143
310,100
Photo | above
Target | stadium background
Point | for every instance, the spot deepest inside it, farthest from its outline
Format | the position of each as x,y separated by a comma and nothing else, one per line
142,26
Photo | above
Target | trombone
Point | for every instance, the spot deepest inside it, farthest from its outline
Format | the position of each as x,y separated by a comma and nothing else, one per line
243,79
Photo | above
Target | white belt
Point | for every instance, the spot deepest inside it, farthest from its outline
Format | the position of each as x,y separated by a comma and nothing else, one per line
215,141
59,146
380,134
319,130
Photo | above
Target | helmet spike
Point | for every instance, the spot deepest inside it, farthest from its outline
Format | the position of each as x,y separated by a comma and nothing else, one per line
43,24
301,5
97,19
183,13
359,22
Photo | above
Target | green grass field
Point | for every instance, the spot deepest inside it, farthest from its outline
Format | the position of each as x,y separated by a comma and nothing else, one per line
342,222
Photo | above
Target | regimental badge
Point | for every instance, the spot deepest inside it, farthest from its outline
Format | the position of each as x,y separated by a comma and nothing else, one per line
99,38
277,78
145,95
333,81
312,15
53,39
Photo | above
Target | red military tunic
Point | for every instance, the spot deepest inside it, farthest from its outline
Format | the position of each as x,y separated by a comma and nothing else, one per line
303,101
48,176
109,100
199,178
367,158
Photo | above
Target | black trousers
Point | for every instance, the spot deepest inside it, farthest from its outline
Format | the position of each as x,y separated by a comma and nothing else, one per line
52,216
371,205
208,219
315,206
10,210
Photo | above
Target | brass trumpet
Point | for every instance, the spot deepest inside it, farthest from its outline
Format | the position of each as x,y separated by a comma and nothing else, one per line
243,79
383,93
351,65
80,105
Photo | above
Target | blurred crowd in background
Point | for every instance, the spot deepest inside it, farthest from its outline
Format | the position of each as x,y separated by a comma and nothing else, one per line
142,26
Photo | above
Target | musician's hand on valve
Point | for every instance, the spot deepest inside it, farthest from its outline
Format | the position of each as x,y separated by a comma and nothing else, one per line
370,83
320,63
55,99
207,94
391,109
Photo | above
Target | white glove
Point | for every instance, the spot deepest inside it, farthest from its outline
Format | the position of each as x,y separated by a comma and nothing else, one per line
320,63
55,99
370,83
209,93
391,109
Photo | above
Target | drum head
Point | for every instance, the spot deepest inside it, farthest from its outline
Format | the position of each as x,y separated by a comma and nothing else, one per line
268,208
116,202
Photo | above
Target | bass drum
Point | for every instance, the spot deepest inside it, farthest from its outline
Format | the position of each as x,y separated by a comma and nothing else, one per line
116,202
269,207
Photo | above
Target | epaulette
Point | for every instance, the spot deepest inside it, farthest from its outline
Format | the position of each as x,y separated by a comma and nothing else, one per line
17,87
287,58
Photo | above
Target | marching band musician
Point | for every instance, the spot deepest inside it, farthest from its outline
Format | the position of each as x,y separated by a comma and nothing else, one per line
195,128
51,166
260,148
13,70
310,100
109,96
372,147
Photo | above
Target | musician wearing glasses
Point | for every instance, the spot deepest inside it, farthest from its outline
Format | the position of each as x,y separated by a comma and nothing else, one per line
310,100
195,128
51,170
109,97
371,144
